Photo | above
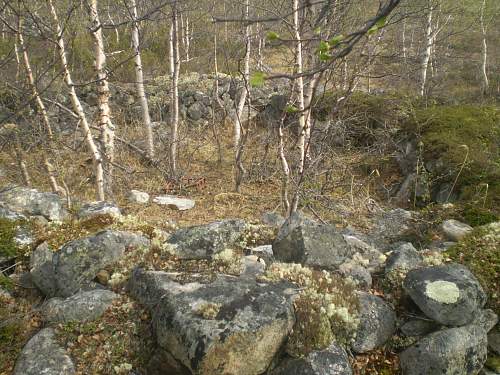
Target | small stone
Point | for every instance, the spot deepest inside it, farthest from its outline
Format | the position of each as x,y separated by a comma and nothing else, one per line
102,277
136,196
42,269
181,204
99,208
454,230
404,258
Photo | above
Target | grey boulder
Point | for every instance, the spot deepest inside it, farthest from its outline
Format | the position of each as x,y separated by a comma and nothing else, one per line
42,269
31,202
203,241
136,196
81,307
43,355
99,208
451,351
377,323
322,246
230,326
455,230
77,263
330,361
404,258
173,202
449,294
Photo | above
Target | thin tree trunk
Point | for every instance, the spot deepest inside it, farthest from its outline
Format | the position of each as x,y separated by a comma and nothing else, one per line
139,77
285,169
216,100
42,111
484,50
299,83
238,123
21,163
175,67
427,51
77,106
107,129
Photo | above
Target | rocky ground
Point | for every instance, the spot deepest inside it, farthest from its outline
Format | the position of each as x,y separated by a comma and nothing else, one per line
95,291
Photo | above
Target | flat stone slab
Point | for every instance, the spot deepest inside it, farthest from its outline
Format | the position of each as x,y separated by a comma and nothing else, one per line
81,307
455,230
171,201
43,355
99,208
231,326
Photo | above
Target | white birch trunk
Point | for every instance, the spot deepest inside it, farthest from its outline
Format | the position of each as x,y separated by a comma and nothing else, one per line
484,50
175,67
427,51
42,111
77,106
238,123
107,130
139,78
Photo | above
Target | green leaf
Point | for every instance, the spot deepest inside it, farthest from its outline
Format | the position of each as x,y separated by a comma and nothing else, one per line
317,30
291,109
257,79
324,56
271,35
336,40
323,47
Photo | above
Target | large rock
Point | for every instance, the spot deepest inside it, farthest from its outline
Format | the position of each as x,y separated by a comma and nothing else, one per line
77,263
99,208
80,307
42,269
377,323
330,361
404,258
391,226
31,202
176,203
203,241
449,294
8,214
451,351
454,230
231,326
43,355
322,246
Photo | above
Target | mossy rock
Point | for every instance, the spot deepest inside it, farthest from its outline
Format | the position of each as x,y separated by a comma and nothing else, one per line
479,252
465,136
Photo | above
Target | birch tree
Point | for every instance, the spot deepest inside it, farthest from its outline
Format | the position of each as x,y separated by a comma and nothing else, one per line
106,127
175,64
139,78
484,49
77,106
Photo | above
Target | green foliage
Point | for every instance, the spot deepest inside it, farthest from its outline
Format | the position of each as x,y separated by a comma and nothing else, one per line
257,79
476,216
378,25
479,252
336,40
6,282
8,246
271,36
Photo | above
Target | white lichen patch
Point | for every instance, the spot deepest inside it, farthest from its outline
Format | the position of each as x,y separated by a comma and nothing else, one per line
442,291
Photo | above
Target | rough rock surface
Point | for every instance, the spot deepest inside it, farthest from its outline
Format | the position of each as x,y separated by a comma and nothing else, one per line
272,219
77,262
43,355
94,209
137,196
42,269
404,258
418,327
203,241
330,361
494,340
322,246
377,323
5,213
81,307
450,351
31,202
454,230
391,226
181,204
230,326
449,294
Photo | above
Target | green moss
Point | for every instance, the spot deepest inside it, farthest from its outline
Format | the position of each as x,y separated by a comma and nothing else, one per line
479,252
465,136
6,282
493,363
476,216
8,246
